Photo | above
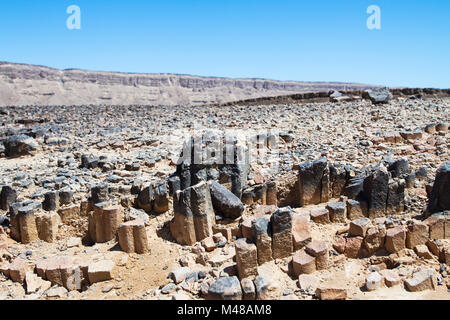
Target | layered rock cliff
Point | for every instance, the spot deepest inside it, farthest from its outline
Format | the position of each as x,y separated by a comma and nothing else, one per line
37,85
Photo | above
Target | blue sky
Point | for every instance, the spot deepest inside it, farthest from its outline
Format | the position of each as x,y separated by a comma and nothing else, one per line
320,40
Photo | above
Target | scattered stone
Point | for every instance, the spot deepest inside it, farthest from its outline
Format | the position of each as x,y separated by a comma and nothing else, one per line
440,197
101,271
225,202
248,289
282,242
319,250
263,240
338,211
303,263
308,283
424,279
226,288
374,281
321,216
395,239
246,258
391,277
262,288
359,227
179,275
300,232
331,293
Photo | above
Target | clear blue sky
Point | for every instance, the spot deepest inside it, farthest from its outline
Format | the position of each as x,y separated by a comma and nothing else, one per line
322,40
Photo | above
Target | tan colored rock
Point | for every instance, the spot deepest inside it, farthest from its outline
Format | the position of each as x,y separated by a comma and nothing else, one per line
445,254
248,289
27,223
224,230
303,263
339,244
395,239
417,234
112,218
423,252
353,247
126,238
246,258
246,228
374,281
208,244
34,283
321,216
101,271
359,227
141,245
424,279
17,270
53,269
193,214
436,224
48,225
14,225
357,209
262,239
434,246
319,250
338,211
69,213
202,209
375,239
300,232
282,242
71,275
331,293
391,277
41,268
308,283
4,269
104,222
133,237
73,242
271,195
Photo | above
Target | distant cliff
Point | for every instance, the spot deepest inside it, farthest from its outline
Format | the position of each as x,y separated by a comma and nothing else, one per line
37,85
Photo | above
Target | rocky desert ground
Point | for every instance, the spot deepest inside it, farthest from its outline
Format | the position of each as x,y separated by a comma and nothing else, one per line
340,199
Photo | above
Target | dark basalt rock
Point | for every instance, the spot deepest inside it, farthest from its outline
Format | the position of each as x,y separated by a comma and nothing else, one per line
440,194
20,145
225,203
377,96
226,288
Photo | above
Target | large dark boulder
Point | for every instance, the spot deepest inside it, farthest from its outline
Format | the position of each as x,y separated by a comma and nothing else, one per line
99,193
89,161
20,145
354,188
146,197
399,168
7,196
311,176
377,96
214,156
375,190
161,202
225,202
226,288
440,194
